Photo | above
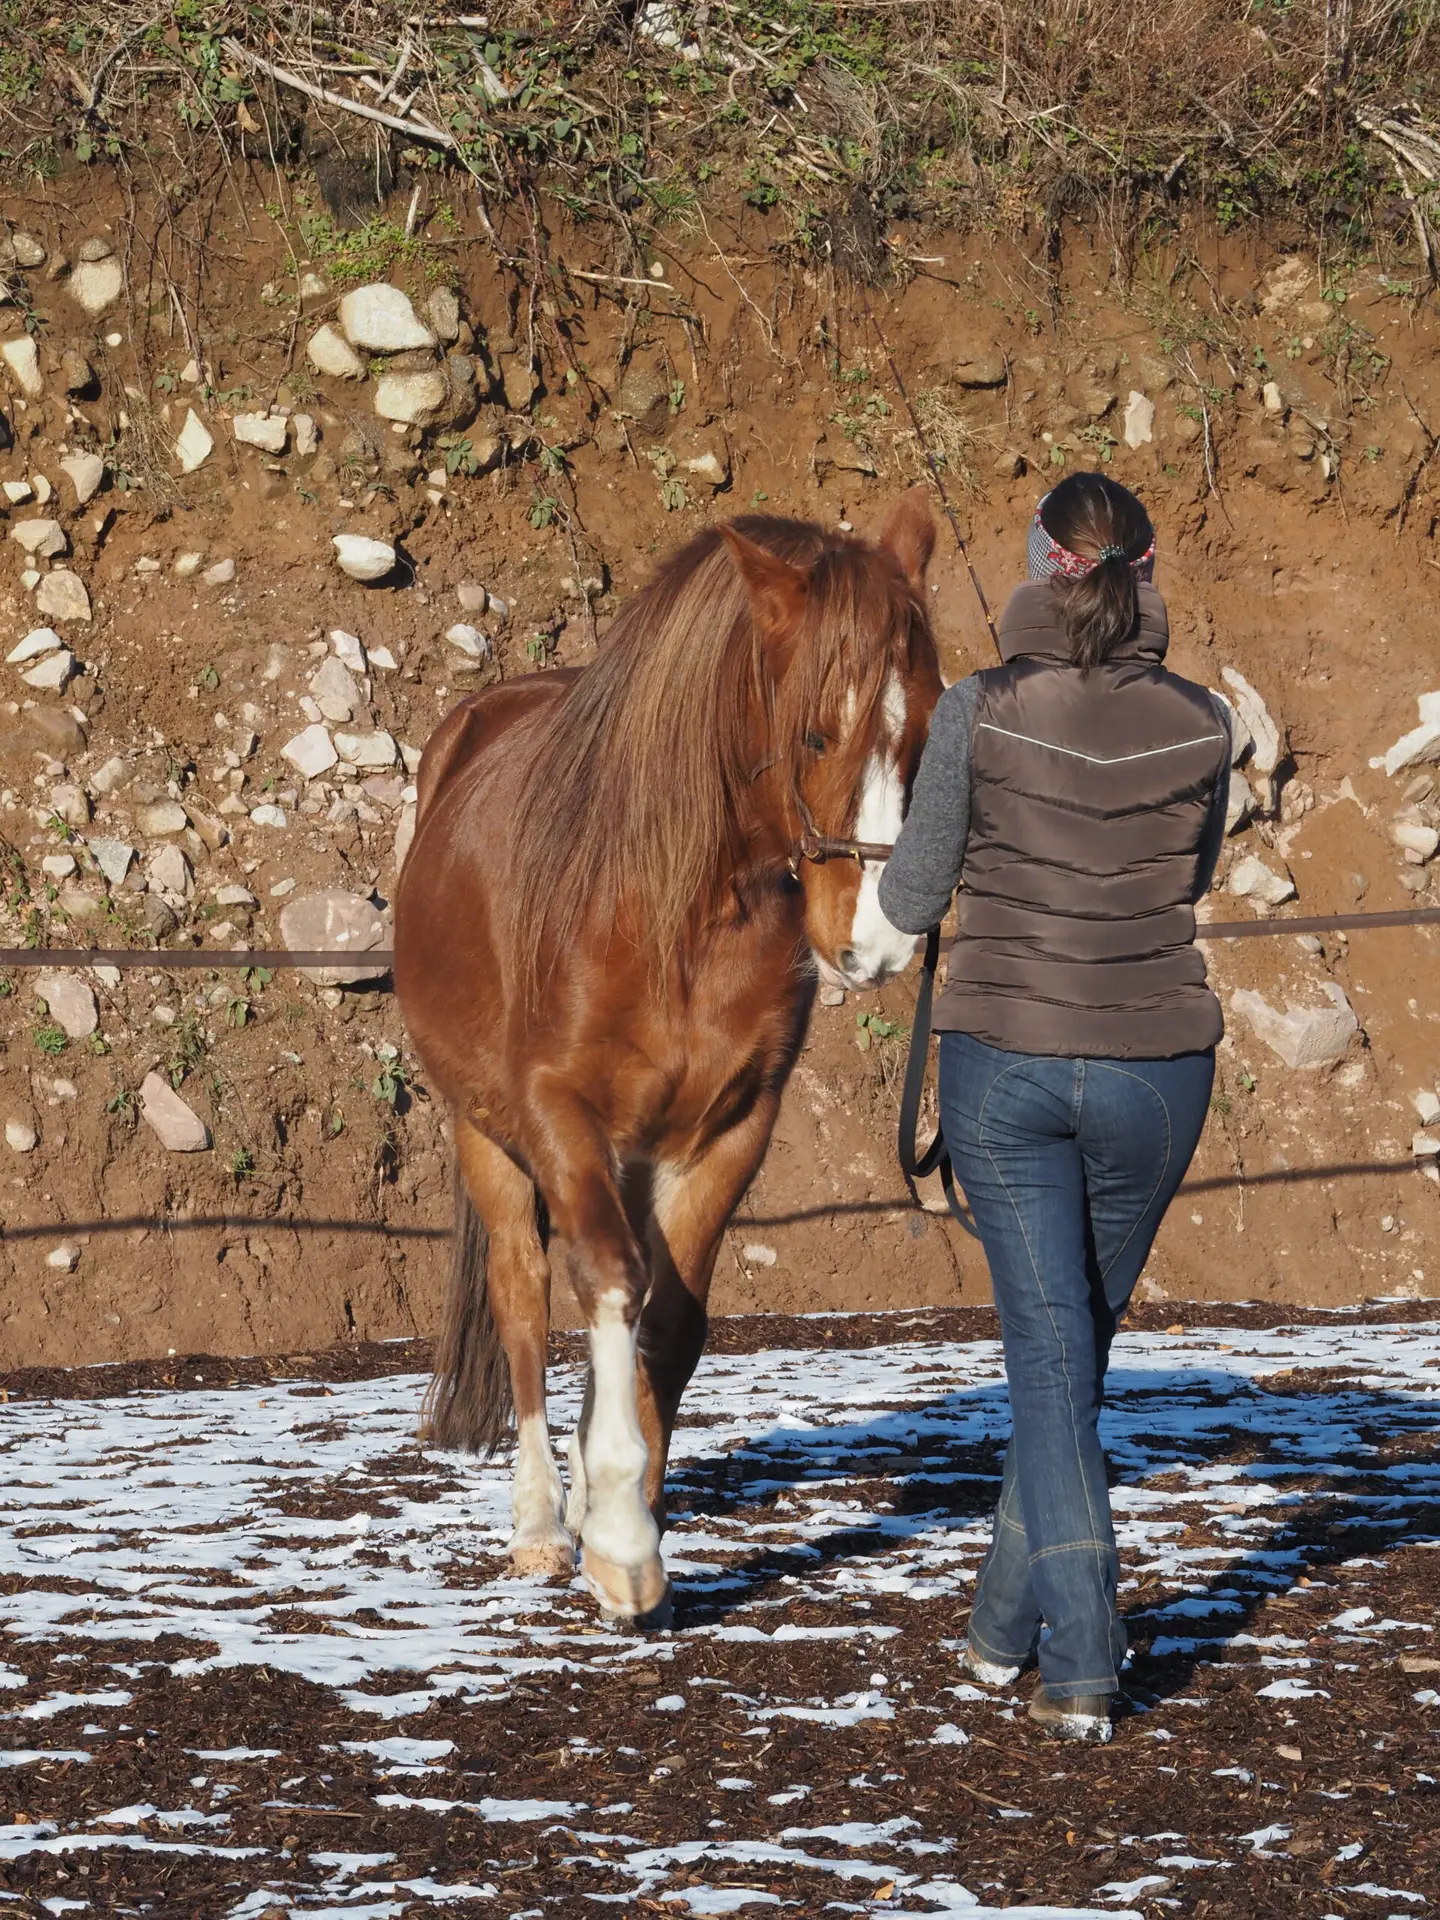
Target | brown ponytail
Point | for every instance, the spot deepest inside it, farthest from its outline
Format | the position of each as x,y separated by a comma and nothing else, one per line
1095,517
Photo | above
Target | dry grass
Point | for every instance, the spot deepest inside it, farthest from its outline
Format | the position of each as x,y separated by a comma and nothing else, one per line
1004,111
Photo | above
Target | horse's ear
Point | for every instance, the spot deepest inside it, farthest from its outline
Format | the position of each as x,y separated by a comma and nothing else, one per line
778,591
910,534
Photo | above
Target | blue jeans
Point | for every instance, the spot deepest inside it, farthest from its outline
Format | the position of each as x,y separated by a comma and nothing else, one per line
1068,1166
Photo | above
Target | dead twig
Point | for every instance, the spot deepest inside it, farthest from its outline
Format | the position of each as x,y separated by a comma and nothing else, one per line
416,129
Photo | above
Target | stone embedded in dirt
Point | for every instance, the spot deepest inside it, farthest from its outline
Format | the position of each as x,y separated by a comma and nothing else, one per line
58,866
168,874
70,1002
186,565
336,690
16,490
95,285
381,319
194,444
1416,838
41,539
366,749
710,467
313,286
416,399
1301,1036
62,596
311,752
76,373
177,1126
987,368
442,310
363,558
235,897
25,250
1284,284
97,247
39,640
113,858
404,834
1427,1106
160,919
1239,803
20,1135
70,804
65,1258
53,674
220,575
1139,427
267,815
85,471
470,640
164,816
212,832
349,649
263,430
1262,737
22,357
329,352
334,918
110,777
1250,879
1272,399
1421,745
307,435
382,658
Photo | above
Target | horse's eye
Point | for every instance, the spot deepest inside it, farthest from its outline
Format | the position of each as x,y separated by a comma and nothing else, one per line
815,741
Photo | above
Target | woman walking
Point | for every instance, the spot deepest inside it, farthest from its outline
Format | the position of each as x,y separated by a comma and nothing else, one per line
1077,796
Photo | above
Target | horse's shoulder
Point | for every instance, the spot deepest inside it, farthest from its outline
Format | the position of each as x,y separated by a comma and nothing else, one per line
473,723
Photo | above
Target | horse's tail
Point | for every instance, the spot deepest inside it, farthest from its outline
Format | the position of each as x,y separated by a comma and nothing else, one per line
469,1404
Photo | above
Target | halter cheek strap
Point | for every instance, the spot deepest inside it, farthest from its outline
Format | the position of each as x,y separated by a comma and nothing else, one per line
1045,557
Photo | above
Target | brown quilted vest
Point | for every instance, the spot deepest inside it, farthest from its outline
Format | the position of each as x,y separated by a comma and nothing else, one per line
1089,795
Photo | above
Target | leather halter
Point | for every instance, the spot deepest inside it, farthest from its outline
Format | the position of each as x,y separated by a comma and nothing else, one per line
820,847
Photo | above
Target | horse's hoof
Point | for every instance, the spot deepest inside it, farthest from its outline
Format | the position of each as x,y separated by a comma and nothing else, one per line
546,1560
637,1596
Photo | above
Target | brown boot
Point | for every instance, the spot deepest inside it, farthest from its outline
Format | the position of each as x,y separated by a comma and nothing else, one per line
1085,1718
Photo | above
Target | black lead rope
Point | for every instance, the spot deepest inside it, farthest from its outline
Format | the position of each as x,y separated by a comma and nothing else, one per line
914,1164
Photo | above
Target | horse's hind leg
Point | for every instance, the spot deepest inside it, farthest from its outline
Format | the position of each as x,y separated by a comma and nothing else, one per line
519,1285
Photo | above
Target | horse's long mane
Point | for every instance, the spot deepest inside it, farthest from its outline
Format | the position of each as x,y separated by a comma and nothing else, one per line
637,787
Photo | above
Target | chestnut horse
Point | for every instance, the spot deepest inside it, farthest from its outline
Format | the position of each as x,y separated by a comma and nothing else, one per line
606,946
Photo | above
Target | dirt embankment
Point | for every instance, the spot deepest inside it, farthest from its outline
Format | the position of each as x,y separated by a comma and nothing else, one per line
564,432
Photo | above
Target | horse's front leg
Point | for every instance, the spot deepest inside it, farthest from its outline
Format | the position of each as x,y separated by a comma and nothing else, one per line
692,1205
620,1542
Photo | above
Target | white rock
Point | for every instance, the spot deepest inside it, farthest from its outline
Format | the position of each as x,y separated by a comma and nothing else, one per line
20,1136
71,804
349,648
709,466
235,897
261,430
111,776
1421,746
187,565
85,471
411,756
307,435
1425,1146
113,858
366,749
168,874
1239,802
59,866
404,834
62,596
23,359
1427,1106
329,352
383,658
415,399
176,1125
333,918
313,287
65,1258
163,816
71,1004
96,284
39,640
27,250
363,558
1273,399
16,490
1429,705
1302,1036
41,488
443,308
311,752
1250,879
1415,837
1139,428
53,674
1266,742
267,815
220,575
336,690
381,319
195,443
43,539
755,1253
469,640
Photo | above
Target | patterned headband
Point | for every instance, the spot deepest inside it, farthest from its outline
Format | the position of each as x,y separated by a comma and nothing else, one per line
1045,556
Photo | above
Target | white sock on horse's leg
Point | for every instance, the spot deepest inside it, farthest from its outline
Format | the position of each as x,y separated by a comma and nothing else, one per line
619,1528
540,1542
575,1507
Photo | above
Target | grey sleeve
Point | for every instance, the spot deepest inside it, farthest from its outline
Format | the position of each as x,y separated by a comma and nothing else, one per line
921,875
1214,839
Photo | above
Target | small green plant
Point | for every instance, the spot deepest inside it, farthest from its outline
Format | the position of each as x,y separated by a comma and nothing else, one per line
389,1083
758,497
208,680
673,495
238,1010
543,512
121,1102
257,977
537,649
1220,1103
460,456
677,396
60,828
870,1027
51,1040
99,1045
1248,1082
242,1161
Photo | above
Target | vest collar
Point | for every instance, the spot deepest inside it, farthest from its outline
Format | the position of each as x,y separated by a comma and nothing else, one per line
1029,629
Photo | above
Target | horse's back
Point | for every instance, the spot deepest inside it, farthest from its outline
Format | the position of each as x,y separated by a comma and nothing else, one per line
474,724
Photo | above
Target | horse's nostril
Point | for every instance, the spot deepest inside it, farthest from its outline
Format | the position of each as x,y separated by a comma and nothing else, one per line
849,960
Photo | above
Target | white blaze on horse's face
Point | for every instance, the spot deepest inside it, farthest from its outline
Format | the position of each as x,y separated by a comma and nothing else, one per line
875,950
